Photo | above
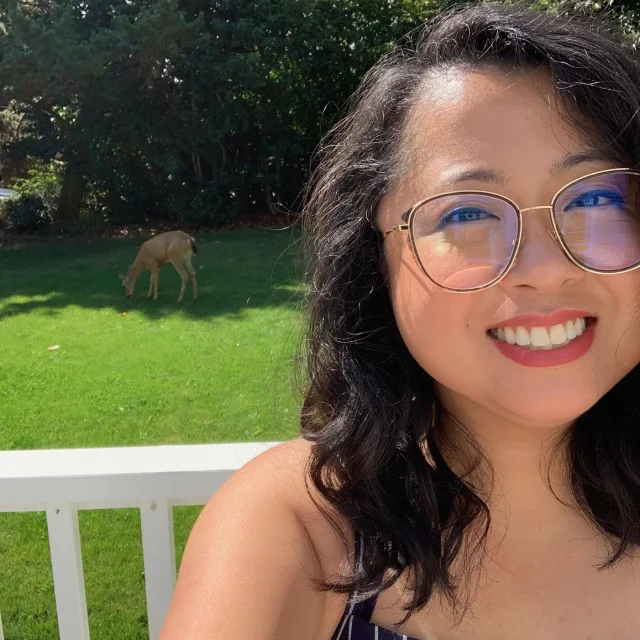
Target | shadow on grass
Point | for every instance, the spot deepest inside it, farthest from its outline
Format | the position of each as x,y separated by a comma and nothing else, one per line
236,270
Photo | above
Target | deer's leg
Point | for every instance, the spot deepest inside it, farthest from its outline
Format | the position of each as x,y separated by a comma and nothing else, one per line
151,279
185,278
192,273
154,283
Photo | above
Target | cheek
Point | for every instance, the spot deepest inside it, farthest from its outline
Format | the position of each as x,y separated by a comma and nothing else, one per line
433,323
624,289
413,297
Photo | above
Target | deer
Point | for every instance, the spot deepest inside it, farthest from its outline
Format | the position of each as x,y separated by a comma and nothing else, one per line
175,247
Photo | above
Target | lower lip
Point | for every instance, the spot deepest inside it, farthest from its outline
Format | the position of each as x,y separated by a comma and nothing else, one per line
551,357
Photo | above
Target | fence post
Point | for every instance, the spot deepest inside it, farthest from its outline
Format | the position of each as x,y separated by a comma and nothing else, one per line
68,575
158,549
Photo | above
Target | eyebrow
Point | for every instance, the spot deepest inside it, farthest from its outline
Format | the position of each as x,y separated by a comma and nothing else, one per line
569,161
574,159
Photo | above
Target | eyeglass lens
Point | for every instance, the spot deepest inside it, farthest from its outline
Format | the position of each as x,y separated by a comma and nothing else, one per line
466,241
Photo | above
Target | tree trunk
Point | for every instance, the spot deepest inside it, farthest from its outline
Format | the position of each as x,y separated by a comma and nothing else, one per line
71,192
197,167
267,199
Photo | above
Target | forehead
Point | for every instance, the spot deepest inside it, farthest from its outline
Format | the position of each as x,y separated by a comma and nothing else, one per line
485,118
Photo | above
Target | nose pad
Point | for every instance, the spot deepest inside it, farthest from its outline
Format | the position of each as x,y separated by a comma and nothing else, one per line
542,267
552,234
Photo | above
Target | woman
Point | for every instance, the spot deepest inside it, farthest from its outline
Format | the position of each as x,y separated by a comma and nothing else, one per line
470,458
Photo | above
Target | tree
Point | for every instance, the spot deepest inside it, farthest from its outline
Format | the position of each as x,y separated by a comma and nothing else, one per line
190,110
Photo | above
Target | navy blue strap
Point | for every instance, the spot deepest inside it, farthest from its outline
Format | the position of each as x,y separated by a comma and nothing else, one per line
364,609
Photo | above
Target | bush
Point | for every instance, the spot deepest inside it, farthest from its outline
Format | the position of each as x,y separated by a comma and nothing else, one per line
25,213
44,180
4,222
196,207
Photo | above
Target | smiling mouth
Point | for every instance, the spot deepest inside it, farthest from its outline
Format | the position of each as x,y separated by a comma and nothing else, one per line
544,338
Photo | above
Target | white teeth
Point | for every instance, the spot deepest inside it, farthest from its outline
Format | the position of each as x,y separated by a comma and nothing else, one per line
541,337
557,334
522,337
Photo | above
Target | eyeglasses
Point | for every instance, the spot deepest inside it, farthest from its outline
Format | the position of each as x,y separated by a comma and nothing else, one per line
468,240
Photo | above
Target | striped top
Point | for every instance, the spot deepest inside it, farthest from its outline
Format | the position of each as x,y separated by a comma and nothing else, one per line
356,624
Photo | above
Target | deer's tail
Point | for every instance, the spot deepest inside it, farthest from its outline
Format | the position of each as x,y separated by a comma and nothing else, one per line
192,242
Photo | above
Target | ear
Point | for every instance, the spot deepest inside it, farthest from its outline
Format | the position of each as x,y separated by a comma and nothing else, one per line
123,278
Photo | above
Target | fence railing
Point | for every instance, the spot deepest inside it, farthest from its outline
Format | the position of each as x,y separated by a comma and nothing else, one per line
153,479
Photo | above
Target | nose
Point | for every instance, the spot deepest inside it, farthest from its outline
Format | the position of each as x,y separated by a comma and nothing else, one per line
541,262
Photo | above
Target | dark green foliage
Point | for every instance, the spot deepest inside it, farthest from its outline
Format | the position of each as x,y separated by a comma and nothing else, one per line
182,110
25,213
187,110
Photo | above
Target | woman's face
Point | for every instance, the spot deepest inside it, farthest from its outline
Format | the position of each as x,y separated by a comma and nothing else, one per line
508,125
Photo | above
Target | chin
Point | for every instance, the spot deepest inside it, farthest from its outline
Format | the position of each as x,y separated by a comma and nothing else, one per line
548,408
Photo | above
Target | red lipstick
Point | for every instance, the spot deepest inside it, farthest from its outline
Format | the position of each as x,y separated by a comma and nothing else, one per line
557,356
539,320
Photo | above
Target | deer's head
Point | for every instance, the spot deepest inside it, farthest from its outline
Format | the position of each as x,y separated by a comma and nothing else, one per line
128,283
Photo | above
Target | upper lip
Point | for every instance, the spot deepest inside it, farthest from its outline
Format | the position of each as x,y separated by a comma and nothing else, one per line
543,320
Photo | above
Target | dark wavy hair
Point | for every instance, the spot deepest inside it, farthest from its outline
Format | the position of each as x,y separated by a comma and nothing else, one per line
369,408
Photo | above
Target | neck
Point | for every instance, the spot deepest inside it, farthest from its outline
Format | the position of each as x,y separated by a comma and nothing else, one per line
135,270
523,477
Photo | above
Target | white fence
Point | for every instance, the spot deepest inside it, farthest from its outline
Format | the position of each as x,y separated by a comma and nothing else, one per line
153,479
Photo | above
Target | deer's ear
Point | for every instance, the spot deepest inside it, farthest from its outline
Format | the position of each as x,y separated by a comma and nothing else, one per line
121,277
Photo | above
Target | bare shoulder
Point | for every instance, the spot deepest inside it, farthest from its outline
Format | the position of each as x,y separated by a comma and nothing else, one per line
282,471
254,554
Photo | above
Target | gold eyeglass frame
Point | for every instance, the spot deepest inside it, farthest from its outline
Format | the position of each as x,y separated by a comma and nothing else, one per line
409,214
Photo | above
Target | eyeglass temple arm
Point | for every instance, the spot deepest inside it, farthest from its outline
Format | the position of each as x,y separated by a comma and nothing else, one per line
399,227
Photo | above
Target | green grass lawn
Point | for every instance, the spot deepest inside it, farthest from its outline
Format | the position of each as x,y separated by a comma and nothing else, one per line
135,372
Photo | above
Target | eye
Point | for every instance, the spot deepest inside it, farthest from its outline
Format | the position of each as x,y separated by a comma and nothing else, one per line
465,215
596,198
